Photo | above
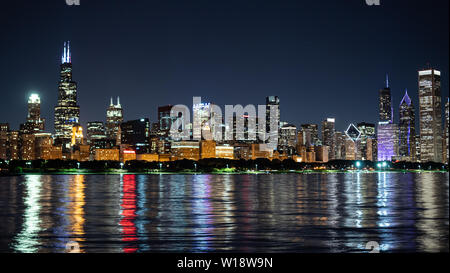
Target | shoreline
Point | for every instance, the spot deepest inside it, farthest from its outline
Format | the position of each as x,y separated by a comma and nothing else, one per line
122,172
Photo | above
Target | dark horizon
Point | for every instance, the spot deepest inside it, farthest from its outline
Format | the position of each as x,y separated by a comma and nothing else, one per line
325,59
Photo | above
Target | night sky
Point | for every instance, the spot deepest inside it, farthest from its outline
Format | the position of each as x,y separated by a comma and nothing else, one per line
323,58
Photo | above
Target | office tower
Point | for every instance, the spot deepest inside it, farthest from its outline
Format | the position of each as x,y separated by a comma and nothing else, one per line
351,142
201,119
365,144
340,138
430,115
67,111
137,134
12,145
288,139
387,138
446,133
114,117
34,122
385,103
27,147
310,134
95,131
328,137
272,123
407,133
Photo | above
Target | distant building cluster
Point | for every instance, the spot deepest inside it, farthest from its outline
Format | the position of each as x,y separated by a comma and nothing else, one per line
119,140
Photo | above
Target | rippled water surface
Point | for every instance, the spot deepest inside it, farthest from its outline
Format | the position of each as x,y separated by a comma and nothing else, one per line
225,213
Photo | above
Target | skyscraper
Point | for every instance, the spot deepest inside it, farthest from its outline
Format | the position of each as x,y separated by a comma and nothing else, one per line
67,111
387,137
114,117
310,134
365,145
407,143
446,130
430,115
385,103
288,139
34,122
272,122
328,137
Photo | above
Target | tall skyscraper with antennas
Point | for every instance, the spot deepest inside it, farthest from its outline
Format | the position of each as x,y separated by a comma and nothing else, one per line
67,111
114,117
387,135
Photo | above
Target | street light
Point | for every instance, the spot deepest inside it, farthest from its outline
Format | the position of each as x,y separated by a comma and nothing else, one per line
358,164
121,165
195,166
78,165
160,167
256,167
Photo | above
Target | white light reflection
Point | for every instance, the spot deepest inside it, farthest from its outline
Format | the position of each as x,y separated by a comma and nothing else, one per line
26,241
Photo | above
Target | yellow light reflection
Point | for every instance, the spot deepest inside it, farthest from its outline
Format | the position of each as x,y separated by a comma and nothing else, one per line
76,208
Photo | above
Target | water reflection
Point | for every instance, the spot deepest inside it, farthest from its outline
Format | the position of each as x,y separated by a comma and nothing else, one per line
128,212
239,213
27,240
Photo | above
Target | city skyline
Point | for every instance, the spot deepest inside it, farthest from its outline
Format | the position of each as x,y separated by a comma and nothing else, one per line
252,66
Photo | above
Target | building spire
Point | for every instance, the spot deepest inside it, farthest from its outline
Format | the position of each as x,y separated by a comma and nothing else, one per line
69,60
63,59
118,101
111,104
387,80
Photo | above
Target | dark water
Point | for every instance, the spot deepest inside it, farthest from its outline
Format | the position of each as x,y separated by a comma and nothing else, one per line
225,213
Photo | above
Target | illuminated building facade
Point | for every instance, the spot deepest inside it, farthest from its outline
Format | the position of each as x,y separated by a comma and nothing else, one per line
272,123
365,144
67,111
107,154
407,130
328,137
4,129
95,131
387,137
114,117
201,118
34,122
27,147
77,135
186,150
446,133
207,149
430,115
287,140
44,145
225,151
